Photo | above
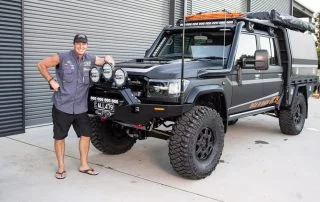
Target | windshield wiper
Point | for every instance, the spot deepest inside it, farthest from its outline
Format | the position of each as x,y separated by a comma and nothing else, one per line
209,58
155,58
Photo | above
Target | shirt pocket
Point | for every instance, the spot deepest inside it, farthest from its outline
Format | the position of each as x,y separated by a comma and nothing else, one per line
68,75
86,77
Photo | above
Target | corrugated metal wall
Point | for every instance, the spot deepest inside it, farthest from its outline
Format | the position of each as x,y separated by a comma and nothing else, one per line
179,7
11,68
282,6
124,29
214,5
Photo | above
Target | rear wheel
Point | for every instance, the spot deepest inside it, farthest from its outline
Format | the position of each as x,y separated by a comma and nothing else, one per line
197,142
109,137
292,120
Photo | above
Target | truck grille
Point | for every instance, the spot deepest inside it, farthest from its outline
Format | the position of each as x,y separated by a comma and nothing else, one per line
138,86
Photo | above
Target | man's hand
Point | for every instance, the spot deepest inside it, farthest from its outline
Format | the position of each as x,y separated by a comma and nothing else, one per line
109,59
54,85
100,61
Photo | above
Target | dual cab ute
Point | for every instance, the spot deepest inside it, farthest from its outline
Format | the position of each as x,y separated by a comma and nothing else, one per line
200,76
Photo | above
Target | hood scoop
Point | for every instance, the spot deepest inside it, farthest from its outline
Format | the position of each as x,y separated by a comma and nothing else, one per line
143,63
152,61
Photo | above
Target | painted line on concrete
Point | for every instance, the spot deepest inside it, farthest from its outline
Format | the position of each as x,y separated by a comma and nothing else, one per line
313,129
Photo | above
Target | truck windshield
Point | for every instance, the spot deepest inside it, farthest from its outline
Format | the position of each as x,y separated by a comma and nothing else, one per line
198,45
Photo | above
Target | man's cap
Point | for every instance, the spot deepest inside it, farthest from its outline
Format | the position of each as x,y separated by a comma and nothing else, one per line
80,38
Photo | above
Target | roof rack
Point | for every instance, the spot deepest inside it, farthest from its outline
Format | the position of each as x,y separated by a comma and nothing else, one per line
264,19
217,18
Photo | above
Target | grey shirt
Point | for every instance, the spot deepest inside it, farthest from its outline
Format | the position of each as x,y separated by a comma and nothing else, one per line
73,78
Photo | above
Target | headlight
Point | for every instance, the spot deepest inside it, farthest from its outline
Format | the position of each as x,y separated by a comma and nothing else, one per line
120,77
107,71
94,75
166,87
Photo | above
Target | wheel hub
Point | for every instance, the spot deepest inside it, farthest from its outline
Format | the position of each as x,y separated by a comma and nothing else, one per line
297,115
205,144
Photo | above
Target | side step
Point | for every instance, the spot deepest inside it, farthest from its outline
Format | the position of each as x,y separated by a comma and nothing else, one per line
251,112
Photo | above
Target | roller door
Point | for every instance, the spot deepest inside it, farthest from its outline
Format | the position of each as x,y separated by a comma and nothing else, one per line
11,68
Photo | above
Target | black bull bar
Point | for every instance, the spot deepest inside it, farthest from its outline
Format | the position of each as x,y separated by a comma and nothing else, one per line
123,106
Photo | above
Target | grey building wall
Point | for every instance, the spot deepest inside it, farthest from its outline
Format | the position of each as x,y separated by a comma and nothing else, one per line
214,5
11,68
283,6
179,8
124,29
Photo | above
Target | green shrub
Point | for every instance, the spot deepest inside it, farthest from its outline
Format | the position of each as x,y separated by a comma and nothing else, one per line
318,52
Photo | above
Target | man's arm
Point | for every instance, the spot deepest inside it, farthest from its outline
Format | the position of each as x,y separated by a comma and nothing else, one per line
100,61
43,67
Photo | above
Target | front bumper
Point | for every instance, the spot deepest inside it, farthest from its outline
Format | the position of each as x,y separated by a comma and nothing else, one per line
127,108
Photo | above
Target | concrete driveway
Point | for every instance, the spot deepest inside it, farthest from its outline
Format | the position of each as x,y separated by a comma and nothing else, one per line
258,164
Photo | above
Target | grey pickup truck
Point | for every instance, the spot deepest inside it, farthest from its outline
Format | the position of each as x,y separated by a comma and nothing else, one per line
198,77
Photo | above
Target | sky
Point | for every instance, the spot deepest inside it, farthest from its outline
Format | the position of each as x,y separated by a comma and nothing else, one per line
314,5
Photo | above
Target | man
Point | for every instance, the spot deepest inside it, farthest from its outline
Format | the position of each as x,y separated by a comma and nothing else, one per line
70,98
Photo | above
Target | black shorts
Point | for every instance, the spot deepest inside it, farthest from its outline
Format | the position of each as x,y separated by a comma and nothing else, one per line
62,122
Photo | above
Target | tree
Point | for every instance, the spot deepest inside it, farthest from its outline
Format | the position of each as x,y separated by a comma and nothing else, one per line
318,52
317,22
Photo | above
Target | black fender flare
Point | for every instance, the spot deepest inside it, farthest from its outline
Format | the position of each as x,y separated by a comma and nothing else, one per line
304,92
202,90
197,91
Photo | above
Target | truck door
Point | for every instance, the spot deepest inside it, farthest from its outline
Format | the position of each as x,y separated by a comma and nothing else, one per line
250,90
272,78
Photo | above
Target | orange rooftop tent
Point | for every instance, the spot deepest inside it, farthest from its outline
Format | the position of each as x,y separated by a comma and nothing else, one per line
214,15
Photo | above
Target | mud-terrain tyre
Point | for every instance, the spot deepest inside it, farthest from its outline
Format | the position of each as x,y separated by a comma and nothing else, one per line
109,137
292,120
196,144
232,122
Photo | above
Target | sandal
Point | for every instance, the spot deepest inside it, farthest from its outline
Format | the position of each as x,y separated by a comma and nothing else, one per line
61,175
89,171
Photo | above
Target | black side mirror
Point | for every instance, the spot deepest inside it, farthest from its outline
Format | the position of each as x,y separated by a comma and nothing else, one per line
261,58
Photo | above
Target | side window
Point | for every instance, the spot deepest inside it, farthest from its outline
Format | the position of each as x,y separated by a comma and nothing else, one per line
246,47
268,44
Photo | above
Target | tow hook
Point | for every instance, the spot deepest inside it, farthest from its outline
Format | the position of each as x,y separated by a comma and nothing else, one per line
104,114
136,133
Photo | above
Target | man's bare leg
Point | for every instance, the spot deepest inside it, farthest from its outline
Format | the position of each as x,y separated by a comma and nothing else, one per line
59,146
84,145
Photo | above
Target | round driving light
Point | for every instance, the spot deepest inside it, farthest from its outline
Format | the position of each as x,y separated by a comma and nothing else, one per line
120,77
107,71
94,75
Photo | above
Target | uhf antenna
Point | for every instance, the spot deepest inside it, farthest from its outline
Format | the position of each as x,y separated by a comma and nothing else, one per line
224,36
182,56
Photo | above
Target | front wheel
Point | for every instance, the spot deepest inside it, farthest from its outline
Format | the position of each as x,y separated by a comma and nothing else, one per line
109,137
197,142
292,120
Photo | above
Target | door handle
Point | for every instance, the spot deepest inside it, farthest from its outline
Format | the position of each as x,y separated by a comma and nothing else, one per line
239,70
257,76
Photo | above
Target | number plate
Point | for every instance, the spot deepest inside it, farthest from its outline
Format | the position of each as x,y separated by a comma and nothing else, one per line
104,106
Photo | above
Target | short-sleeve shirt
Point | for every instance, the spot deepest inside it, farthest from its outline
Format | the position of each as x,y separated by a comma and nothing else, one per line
73,78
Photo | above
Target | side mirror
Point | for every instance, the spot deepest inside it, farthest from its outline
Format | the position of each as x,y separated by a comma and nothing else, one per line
261,60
